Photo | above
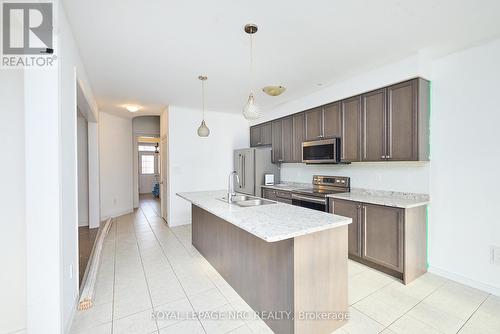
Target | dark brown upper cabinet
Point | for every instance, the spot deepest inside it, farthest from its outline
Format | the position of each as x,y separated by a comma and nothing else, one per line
261,135
407,117
277,141
332,122
287,138
299,135
351,129
374,125
314,123
395,122
323,122
388,124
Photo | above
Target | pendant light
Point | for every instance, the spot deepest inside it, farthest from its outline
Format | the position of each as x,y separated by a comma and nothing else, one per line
251,110
203,130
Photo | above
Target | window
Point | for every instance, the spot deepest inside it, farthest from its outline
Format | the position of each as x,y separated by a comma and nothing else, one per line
147,164
146,148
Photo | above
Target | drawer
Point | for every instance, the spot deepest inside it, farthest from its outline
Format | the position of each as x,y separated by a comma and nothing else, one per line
269,193
284,194
284,200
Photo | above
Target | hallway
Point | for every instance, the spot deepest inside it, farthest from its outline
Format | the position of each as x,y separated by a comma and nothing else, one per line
147,266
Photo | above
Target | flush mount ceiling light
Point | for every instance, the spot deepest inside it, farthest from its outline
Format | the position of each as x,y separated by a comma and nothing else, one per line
132,108
274,90
251,109
203,130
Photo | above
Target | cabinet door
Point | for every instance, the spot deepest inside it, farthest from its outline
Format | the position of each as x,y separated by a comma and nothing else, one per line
287,138
255,136
269,194
402,129
299,135
332,120
277,143
374,125
351,210
314,124
351,129
266,134
383,235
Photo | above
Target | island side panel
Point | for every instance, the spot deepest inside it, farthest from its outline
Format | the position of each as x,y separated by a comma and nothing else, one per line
320,271
261,272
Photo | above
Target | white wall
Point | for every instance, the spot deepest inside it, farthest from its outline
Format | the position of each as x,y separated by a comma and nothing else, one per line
71,70
396,176
464,172
146,125
83,171
115,147
197,163
12,223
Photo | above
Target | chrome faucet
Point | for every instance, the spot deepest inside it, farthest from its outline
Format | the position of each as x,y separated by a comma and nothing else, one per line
230,185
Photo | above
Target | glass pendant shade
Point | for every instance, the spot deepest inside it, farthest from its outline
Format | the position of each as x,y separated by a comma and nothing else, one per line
251,109
203,130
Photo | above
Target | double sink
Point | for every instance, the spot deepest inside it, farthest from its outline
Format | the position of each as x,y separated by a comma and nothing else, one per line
246,201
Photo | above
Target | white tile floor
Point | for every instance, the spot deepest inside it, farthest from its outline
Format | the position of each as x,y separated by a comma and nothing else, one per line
147,266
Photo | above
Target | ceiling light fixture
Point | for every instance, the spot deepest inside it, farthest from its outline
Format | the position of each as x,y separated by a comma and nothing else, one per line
203,130
133,108
274,90
251,109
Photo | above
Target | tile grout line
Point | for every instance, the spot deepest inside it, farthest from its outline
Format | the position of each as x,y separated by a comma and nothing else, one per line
220,291
142,265
466,321
115,223
173,270
420,301
209,278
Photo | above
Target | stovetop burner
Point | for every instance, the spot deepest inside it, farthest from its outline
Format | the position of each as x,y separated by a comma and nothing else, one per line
325,185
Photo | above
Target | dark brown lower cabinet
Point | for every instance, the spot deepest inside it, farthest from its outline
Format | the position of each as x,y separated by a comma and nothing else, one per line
389,239
352,210
269,193
383,235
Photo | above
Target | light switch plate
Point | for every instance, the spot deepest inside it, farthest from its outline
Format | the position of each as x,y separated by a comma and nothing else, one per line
495,255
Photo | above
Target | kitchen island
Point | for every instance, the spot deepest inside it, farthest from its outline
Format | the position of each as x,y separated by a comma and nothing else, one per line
280,258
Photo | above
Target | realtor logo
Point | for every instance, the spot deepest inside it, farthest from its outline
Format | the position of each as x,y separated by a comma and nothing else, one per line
27,29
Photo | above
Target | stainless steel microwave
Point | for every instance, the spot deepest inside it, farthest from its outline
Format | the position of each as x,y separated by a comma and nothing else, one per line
324,151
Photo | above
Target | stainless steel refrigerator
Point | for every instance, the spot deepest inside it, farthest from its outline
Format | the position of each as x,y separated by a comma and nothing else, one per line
252,164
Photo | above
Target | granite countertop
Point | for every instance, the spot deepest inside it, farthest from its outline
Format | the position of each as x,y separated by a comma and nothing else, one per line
288,186
386,198
272,222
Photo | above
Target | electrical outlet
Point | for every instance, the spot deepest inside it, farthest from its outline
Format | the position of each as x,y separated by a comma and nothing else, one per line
495,255
114,201
70,271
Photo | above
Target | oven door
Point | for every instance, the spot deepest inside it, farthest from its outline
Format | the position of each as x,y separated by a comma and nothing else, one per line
310,202
321,151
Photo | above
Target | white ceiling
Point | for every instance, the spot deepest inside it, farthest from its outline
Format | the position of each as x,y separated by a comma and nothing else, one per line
151,52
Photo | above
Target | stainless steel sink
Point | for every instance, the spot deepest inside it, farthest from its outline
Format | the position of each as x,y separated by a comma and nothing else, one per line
246,201
238,198
254,202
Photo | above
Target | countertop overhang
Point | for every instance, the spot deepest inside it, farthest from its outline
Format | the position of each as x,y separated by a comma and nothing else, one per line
272,222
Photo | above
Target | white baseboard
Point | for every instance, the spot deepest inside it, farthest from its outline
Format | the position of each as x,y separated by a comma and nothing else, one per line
465,280
118,214
179,222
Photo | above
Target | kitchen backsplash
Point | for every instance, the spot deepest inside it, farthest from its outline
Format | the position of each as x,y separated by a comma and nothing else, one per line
392,176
